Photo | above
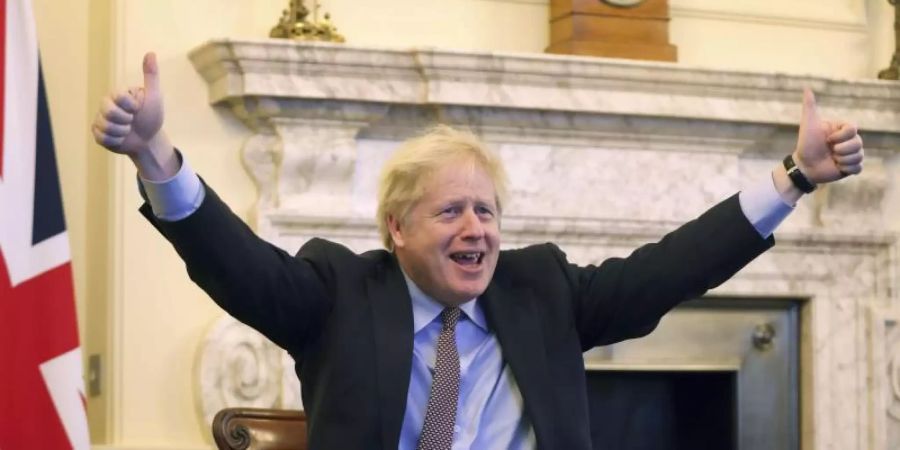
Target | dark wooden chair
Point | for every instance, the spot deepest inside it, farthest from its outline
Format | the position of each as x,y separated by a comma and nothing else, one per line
259,429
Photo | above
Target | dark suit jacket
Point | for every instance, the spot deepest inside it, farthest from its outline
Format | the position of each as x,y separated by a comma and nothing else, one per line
347,318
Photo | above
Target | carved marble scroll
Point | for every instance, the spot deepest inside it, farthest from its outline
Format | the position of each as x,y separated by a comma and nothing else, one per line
237,366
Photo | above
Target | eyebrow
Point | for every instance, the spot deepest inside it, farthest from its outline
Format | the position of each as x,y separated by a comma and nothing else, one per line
490,205
461,200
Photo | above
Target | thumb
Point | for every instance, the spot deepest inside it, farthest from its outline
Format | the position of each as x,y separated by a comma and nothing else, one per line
151,74
810,114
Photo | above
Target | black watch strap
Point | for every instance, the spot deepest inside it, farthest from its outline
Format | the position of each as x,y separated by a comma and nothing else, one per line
797,176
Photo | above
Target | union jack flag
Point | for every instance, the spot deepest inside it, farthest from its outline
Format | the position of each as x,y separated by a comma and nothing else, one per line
42,402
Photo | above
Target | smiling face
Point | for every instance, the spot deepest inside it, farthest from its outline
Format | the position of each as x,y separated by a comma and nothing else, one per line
449,241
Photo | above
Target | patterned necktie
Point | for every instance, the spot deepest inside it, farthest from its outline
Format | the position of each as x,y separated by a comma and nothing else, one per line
440,417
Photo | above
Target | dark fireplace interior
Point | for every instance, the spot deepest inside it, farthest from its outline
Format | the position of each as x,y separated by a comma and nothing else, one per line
663,410
717,373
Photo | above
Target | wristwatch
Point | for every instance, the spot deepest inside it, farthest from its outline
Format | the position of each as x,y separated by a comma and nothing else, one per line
797,176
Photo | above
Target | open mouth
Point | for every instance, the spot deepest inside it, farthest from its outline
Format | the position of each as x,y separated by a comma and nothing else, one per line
467,258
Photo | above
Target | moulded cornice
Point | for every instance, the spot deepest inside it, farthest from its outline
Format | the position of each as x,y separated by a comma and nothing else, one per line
268,68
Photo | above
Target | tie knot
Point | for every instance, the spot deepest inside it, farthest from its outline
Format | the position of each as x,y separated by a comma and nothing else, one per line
449,317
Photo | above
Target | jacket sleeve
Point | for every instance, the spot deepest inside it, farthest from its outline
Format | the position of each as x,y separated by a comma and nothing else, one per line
283,297
624,298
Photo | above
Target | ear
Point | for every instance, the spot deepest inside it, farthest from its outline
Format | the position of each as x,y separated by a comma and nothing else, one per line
394,227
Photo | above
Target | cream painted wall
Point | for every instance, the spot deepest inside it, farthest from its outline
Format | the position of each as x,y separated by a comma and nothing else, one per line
136,306
837,38
62,31
63,35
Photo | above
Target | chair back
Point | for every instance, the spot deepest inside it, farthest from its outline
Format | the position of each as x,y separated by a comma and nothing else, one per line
259,429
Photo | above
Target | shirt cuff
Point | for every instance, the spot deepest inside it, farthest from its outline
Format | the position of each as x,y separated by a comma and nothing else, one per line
764,207
177,197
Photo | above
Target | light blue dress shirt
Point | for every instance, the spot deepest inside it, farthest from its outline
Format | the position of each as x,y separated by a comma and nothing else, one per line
490,414
490,410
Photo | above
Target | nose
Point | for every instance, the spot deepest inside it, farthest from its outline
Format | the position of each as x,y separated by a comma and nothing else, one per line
472,227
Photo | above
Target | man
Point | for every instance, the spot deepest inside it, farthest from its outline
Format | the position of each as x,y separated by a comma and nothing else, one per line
444,341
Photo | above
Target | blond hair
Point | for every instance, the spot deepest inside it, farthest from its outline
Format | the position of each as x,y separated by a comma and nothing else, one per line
402,181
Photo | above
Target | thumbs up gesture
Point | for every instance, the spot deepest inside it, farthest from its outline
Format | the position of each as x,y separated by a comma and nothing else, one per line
826,150
130,122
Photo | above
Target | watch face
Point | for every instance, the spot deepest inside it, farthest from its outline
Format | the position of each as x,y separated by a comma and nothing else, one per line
623,2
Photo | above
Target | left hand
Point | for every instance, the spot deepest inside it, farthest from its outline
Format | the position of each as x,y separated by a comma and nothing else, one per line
826,150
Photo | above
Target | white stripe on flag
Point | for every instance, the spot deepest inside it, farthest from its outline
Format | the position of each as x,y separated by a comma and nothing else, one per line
23,260
67,392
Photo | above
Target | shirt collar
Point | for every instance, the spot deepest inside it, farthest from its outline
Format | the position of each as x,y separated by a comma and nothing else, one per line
426,309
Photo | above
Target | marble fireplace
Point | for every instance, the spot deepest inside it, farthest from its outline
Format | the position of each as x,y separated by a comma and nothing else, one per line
603,155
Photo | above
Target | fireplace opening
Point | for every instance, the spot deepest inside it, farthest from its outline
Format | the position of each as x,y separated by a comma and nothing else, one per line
663,410
717,373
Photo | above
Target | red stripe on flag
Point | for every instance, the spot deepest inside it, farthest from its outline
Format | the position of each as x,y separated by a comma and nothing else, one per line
36,325
2,77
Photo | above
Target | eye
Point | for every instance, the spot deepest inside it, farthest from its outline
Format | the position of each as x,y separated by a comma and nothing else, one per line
451,211
484,211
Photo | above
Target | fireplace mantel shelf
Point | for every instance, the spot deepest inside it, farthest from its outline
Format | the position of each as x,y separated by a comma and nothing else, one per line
273,69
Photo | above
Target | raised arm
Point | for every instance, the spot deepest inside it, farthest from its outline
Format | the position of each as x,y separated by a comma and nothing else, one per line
283,297
626,297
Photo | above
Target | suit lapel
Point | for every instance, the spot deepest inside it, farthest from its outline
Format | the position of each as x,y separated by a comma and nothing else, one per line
393,325
512,314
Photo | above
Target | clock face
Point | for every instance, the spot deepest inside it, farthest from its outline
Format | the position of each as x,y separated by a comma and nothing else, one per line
623,2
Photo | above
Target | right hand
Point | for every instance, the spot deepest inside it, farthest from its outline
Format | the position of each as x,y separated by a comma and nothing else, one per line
129,120
130,123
